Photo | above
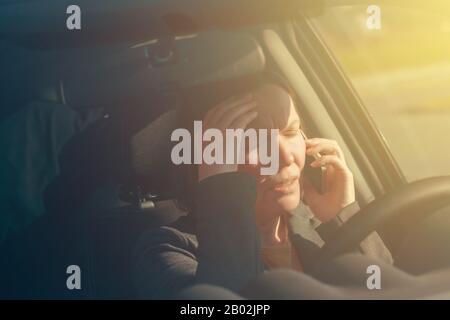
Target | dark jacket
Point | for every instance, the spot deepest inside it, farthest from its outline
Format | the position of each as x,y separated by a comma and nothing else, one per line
222,247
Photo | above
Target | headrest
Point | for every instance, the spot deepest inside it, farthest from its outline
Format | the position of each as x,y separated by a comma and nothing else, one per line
151,146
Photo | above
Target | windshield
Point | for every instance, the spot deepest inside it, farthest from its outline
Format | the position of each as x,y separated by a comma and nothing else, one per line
398,60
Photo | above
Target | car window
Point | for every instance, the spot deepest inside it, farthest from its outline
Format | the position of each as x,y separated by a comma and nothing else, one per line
398,60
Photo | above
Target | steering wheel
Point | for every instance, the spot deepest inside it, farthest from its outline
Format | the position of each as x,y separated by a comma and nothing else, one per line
410,203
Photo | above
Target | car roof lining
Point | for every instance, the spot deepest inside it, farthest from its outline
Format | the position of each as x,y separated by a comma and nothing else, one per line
43,23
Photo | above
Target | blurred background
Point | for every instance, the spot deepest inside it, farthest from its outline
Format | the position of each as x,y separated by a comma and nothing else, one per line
402,74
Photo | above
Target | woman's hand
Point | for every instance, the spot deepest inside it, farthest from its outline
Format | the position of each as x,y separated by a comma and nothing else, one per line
234,113
338,190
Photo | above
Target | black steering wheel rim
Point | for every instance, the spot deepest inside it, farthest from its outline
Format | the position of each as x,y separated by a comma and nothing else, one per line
414,201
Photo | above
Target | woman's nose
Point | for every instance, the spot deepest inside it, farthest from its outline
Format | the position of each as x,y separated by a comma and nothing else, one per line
285,154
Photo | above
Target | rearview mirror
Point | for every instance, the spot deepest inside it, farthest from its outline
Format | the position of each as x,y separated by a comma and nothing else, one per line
162,65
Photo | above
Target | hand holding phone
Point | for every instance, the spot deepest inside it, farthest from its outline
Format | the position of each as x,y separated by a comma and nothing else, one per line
329,185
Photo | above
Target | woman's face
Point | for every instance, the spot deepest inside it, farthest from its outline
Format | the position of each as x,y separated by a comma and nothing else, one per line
279,193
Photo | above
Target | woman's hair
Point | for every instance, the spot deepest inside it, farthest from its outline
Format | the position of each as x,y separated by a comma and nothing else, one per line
196,103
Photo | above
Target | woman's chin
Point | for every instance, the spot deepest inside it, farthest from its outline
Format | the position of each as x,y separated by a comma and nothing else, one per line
287,203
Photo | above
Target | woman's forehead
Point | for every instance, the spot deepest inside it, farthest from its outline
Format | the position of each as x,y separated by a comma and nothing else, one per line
275,107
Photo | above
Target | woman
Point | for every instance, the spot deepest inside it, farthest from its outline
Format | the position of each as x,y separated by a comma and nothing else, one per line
246,223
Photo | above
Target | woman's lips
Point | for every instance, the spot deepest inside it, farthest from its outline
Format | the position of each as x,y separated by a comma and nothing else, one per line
284,187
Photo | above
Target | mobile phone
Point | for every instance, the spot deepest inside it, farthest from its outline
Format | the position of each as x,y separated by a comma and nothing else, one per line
313,174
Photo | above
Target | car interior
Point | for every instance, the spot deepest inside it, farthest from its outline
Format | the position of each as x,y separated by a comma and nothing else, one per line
130,77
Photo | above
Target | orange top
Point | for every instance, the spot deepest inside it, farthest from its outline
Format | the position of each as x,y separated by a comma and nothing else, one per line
281,257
